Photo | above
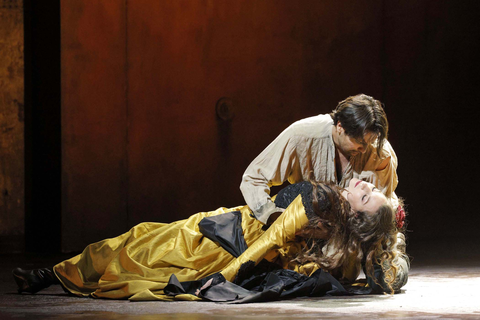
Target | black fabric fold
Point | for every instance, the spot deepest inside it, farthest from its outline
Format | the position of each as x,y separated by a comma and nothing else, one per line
320,283
226,230
267,286
249,269
175,287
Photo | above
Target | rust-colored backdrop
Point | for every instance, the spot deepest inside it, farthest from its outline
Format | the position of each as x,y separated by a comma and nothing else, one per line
140,81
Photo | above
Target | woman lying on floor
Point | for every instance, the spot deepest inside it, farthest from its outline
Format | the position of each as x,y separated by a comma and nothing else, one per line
227,254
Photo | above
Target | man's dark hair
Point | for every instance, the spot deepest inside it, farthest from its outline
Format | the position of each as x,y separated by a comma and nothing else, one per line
361,114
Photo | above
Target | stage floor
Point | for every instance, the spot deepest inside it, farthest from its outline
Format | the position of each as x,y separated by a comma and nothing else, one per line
443,284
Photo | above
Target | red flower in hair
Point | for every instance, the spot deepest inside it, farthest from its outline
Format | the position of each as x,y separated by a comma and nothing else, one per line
400,217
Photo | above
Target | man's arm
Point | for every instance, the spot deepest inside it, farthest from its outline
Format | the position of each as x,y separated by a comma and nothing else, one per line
383,165
272,167
387,178
382,171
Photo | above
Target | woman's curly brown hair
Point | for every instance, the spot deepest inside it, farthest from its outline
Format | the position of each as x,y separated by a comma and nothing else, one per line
366,237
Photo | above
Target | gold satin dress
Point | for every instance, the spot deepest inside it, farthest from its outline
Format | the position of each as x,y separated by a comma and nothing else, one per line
137,265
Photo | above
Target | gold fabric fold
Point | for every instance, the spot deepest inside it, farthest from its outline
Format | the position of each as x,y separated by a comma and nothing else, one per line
283,230
138,264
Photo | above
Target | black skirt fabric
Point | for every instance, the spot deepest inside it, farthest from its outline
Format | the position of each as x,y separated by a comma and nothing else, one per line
260,287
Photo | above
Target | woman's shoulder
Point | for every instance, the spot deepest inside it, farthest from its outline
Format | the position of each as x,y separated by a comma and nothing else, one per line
289,193
305,189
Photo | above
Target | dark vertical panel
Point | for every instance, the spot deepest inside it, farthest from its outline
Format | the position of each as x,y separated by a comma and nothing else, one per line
12,179
431,90
42,126
93,121
276,61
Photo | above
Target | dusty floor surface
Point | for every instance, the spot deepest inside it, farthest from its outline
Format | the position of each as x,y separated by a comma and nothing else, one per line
443,284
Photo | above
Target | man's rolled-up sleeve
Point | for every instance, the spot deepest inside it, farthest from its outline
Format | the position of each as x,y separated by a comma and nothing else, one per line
272,167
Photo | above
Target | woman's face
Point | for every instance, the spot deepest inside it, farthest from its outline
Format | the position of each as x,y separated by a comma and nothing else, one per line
364,196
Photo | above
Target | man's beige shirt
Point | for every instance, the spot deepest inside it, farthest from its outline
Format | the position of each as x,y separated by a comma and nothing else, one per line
307,146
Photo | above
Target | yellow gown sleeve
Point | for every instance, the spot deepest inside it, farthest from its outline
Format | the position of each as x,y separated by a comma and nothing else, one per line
292,220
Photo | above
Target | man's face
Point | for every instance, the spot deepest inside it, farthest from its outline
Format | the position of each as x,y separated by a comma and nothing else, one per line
350,146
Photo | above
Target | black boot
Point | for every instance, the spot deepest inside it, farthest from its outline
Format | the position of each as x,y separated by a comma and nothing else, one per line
34,280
